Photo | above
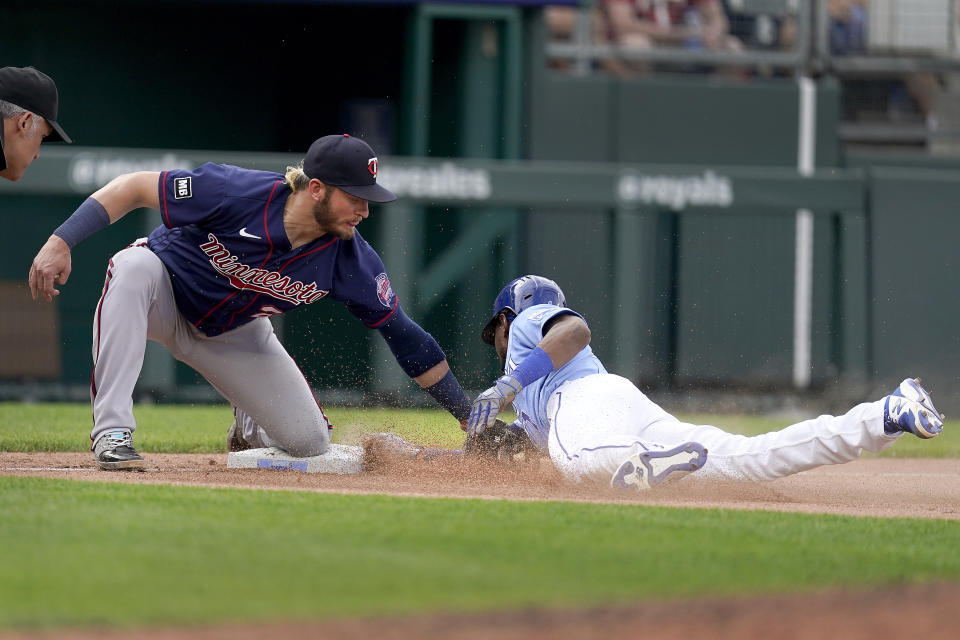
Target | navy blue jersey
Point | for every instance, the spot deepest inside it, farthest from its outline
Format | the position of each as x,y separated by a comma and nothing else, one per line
224,245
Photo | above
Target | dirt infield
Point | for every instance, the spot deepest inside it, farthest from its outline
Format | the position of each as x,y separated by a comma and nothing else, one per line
867,487
926,612
915,488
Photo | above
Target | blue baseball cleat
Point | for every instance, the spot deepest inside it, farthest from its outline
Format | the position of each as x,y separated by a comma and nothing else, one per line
649,469
910,409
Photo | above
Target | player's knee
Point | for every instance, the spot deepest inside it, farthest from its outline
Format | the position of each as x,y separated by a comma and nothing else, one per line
312,443
133,271
308,449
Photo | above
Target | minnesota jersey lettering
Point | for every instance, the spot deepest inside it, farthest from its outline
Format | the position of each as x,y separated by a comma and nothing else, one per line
249,278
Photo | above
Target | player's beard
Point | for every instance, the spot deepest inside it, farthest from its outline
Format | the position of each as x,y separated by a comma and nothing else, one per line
327,220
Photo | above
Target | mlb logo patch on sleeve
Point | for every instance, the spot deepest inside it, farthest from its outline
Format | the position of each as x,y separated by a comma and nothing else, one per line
182,188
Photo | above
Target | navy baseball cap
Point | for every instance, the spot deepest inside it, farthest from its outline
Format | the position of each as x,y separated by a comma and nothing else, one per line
36,92
348,163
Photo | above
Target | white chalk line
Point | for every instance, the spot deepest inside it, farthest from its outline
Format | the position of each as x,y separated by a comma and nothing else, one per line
64,469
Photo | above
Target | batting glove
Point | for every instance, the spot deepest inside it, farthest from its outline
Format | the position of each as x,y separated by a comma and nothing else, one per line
491,402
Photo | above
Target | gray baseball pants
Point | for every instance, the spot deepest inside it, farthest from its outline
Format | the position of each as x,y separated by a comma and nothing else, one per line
272,402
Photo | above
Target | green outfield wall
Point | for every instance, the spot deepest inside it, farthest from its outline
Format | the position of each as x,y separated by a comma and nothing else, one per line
665,205
915,267
676,120
684,272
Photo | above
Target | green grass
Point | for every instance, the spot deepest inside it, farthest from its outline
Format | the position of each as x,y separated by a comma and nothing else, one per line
66,427
201,429
83,553
80,553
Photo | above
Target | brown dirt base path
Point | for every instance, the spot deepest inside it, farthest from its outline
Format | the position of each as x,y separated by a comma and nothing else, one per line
926,612
883,487
866,487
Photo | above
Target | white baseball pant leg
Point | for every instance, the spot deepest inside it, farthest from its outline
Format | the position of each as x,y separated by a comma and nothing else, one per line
599,421
247,365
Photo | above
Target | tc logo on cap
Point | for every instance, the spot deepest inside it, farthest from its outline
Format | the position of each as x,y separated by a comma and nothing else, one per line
372,167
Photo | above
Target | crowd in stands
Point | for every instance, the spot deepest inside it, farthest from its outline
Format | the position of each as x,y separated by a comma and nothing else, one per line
724,26
646,24
716,25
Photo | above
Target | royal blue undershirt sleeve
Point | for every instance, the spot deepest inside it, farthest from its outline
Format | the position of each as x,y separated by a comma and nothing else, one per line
417,352
536,365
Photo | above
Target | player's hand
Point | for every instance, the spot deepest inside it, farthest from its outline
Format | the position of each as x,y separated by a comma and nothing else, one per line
491,402
51,266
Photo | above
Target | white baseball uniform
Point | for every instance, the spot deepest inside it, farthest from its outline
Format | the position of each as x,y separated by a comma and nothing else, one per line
591,421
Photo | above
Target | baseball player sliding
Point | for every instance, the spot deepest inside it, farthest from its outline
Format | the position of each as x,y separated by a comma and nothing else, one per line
599,426
237,246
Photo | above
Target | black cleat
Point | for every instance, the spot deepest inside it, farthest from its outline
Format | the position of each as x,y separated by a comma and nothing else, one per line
114,452
235,441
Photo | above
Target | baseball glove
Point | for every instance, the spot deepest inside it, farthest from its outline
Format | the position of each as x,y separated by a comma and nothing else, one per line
499,442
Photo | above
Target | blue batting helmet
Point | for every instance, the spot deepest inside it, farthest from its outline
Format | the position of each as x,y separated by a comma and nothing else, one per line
521,294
